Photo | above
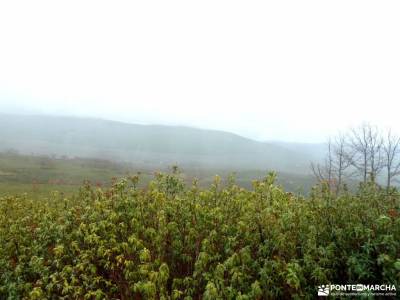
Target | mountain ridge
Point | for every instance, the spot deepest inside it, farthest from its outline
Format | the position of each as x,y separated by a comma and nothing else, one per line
152,144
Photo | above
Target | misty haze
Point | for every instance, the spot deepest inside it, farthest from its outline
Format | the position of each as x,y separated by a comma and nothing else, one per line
213,150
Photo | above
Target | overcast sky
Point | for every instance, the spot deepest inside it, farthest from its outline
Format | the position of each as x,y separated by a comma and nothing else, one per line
287,70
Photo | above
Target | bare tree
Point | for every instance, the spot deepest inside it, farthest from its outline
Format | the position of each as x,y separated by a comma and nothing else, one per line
391,150
359,145
366,148
363,152
324,172
342,159
337,160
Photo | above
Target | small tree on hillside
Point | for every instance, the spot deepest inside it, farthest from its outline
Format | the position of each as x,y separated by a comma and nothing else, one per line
366,148
342,159
391,150
324,172
337,161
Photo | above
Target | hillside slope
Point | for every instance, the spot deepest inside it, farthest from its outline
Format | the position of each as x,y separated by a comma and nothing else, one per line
152,145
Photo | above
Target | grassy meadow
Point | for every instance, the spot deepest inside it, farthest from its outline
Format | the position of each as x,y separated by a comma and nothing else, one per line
39,176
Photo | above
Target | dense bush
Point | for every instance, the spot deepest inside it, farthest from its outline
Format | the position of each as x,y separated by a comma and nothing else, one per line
169,241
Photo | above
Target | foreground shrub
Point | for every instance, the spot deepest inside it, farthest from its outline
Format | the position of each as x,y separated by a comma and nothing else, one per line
170,241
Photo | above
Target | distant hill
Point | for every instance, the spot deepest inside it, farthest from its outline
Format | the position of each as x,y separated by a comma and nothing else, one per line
150,145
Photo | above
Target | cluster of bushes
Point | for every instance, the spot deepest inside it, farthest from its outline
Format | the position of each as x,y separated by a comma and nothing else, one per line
172,241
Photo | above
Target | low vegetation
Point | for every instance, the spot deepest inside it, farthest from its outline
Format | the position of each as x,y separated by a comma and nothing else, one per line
170,240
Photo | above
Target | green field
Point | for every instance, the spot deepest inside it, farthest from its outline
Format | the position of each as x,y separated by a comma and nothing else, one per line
42,175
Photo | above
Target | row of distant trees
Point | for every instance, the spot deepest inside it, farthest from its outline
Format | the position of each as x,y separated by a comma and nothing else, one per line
365,153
